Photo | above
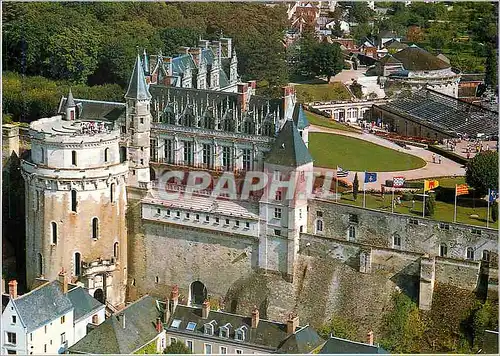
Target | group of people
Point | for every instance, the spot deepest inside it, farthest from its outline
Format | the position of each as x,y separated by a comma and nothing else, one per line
434,158
93,127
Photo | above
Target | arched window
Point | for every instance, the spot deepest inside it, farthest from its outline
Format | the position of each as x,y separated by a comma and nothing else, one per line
73,158
78,264
115,250
74,203
106,154
443,250
268,129
95,228
486,255
396,241
319,226
54,232
112,192
198,293
470,253
352,233
40,264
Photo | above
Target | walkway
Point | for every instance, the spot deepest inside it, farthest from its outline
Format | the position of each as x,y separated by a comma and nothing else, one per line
446,168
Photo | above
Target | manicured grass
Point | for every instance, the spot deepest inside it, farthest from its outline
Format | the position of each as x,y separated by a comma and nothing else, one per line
330,151
445,182
443,211
318,120
321,92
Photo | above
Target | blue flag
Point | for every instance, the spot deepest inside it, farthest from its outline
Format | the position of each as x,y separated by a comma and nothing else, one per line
370,177
493,196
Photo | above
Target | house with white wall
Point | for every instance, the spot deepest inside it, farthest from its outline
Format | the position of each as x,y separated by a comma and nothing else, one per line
48,319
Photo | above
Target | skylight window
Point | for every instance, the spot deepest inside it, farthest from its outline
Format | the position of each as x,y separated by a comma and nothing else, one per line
175,324
191,326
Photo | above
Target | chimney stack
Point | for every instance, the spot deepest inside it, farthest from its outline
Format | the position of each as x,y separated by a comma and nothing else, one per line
255,317
369,338
64,281
159,325
292,324
174,297
205,309
122,316
13,289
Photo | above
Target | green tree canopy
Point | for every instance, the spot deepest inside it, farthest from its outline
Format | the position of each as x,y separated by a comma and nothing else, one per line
482,172
177,347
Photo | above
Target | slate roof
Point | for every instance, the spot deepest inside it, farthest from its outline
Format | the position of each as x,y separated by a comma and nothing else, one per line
416,58
95,109
269,335
137,87
389,59
42,305
336,345
395,44
387,34
83,303
111,338
299,117
289,149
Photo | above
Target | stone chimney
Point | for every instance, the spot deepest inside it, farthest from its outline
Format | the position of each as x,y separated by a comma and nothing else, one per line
196,53
292,324
64,281
205,309
243,96
369,338
122,317
174,297
255,317
159,325
13,289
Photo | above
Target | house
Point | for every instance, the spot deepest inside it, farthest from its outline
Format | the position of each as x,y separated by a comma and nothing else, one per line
385,36
136,327
337,345
206,331
48,319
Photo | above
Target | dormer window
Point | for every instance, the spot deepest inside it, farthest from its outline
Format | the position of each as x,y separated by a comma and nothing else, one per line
224,330
209,328
240,333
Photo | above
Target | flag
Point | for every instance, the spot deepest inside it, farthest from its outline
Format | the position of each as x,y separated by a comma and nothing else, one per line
341,173
430,184
398,182
370,177
493,196
461,189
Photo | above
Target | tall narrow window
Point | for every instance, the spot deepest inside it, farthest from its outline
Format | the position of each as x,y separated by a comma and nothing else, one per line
78,263
95,228
73,158
396,241
188,153
115,250
207,155
470,253
106,154
226,158
40,264
247,159
486,255
73,200
112,192
123,154
319,225
352,233
443,250
153,151
42,158
54,232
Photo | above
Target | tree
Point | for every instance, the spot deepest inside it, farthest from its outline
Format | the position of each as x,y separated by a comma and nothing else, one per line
338,327
430,205
482,172
177,347
327,60
355,186
491,78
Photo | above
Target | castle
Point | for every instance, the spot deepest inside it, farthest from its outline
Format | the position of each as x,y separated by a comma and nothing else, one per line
94,206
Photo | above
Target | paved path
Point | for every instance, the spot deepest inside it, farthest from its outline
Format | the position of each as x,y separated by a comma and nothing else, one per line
446,168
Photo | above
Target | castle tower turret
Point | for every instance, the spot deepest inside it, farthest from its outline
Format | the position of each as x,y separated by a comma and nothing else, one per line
283,209
138,125
70,107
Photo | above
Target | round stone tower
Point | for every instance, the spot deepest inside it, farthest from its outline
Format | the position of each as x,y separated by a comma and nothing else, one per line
76,198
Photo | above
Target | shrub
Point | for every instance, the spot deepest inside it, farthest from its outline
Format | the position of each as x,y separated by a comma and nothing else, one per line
338,327
482,172
494,212
355,186
430,205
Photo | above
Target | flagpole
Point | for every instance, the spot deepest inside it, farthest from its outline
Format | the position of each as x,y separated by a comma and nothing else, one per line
337,186
392,202
423,205
488,216
455,212
364,191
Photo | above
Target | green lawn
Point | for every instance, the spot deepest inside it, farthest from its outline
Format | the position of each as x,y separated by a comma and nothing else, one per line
319,120
330,151
321,92
445,182
443,211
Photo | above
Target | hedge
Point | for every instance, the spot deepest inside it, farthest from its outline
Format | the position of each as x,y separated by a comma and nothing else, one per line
448,154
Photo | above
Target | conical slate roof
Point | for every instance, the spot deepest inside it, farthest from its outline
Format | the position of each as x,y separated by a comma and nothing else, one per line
70,102
137,87
299,117
289,149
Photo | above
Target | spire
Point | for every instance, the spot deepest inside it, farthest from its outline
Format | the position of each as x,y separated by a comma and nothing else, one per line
299,117
70,102
145,61
137,87
289,149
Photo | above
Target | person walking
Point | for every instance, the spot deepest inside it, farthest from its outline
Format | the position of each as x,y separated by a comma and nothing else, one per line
433,158
439,159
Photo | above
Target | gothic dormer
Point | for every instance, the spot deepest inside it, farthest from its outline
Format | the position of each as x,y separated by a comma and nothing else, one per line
233,68
70,107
